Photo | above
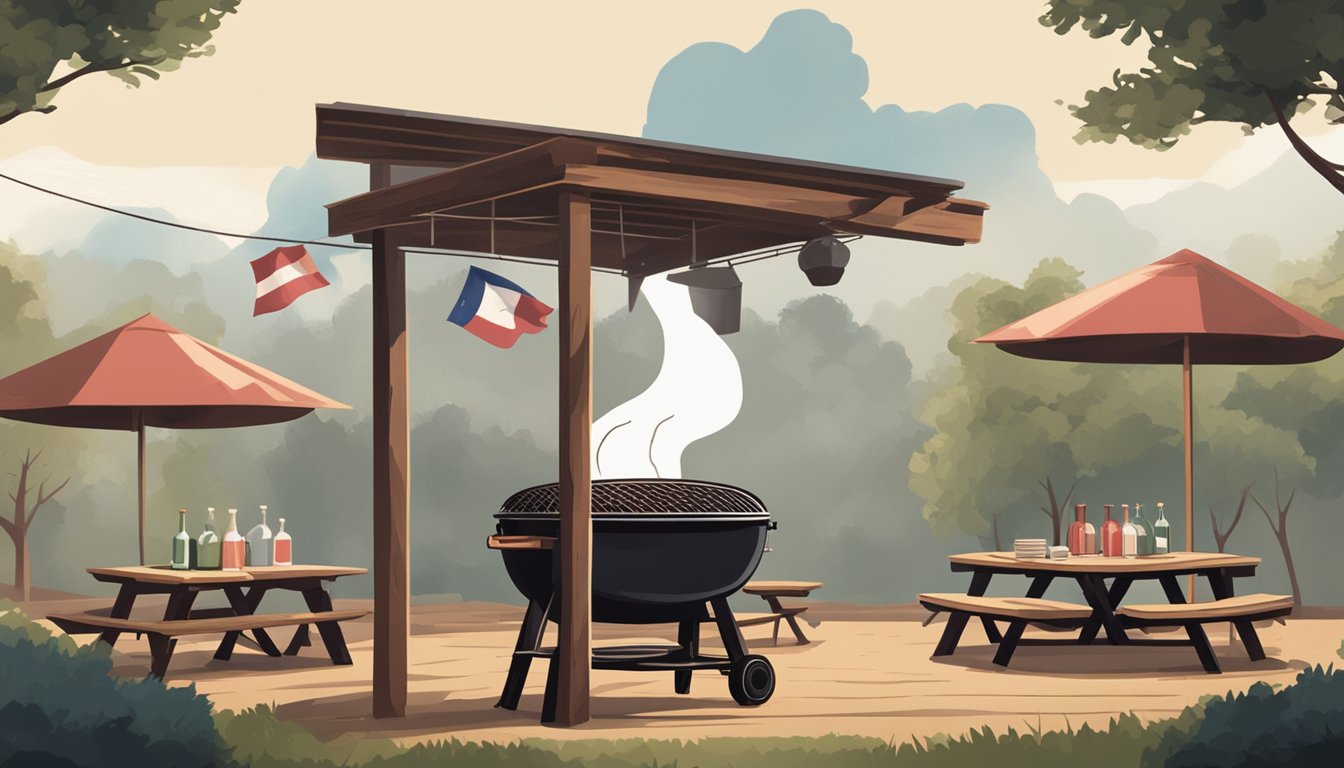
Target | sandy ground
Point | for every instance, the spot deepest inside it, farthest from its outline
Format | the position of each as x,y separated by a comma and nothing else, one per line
867,672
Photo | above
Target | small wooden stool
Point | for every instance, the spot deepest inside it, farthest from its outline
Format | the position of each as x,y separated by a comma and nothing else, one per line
771,591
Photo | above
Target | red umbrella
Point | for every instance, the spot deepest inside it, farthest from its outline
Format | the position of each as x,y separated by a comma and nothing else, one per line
149,374
1183,309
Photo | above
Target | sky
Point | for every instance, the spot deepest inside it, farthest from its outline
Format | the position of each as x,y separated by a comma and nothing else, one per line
588,64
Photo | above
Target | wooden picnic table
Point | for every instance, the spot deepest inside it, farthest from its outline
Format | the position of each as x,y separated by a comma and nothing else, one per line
244,591
1090,572
771,591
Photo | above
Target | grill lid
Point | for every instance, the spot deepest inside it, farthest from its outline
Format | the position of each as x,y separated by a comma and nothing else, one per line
618,498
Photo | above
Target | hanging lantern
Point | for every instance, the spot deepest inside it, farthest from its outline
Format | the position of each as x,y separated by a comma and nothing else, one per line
823,260
716,296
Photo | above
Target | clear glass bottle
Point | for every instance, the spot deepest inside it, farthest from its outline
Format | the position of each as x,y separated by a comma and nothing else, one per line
284,546
1161,532
181,544
1078,531
1129,535
259,542
1111,540
235,547
208,545
1144,546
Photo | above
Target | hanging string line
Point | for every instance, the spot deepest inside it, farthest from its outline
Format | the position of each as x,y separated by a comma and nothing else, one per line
733,260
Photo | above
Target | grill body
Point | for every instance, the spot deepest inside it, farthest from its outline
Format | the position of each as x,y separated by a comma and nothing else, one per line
662,549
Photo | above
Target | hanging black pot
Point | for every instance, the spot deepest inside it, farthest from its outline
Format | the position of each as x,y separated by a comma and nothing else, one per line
823,260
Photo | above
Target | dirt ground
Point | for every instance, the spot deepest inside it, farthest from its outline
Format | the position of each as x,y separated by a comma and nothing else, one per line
867,672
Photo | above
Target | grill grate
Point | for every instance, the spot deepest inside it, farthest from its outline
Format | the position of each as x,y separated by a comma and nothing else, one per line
642,497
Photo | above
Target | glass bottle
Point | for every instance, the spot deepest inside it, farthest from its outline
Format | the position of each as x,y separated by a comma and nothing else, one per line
207,544
181,544
235,548
259,542
284,546
1161,532
1077,531
1129,535
1144,545
1111,541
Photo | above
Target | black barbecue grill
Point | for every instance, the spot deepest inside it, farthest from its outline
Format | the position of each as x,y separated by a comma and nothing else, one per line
664,551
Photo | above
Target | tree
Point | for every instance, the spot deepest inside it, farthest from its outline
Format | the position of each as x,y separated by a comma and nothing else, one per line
22,520
1247,62
1001,425
26,337
128,39
1280,530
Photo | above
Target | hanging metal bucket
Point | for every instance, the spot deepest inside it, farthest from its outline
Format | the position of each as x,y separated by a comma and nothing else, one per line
716,296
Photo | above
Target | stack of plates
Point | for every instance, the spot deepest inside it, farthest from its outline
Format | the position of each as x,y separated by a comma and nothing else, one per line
1033,548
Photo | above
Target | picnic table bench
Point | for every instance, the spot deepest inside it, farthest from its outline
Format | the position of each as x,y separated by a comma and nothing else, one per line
1103,610
771,591
244,590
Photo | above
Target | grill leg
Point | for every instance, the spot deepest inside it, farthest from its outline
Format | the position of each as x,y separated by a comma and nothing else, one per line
728,630
529,639
552,683
688,637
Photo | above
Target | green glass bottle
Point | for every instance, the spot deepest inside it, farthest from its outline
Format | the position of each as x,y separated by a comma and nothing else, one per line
181,544
1145,531
208,546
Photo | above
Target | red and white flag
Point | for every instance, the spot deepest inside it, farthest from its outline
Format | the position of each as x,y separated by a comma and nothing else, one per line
284,275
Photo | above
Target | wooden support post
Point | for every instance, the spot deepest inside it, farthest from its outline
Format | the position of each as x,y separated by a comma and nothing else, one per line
391,471
1188,386
574,656
140,473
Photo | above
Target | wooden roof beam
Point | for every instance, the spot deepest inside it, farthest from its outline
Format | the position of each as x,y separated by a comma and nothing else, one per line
511,173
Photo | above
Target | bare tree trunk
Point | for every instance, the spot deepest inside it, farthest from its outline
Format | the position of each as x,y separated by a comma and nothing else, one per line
998,545
1057,507
22,570
1281,533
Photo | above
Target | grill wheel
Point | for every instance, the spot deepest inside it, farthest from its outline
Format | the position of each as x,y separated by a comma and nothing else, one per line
751,680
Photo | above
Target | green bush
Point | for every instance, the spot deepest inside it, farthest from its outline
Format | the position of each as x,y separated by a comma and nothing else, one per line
1300,725
65,709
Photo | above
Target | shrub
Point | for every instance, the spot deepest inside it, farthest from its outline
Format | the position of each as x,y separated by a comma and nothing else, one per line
65,709
1299,725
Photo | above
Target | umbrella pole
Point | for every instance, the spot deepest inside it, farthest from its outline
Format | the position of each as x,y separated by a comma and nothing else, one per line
140,473
1188,377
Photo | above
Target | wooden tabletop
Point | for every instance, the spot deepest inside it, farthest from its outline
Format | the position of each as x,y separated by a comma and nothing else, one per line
1172,562
781,588
162,574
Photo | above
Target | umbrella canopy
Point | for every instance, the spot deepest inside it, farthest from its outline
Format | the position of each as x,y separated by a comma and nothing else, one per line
1183,309
1147,315
148,373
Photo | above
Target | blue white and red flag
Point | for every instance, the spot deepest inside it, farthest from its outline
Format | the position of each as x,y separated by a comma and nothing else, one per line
497,309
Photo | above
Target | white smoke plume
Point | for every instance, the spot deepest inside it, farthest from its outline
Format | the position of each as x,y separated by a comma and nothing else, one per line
698,392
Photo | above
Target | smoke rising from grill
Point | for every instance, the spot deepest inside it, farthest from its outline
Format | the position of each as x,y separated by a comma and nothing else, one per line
698,392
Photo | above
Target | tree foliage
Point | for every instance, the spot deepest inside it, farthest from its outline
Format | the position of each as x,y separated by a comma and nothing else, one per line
1246,62
128,39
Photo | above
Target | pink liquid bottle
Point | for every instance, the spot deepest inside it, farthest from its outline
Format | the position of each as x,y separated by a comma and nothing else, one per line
1078,531
1112,540
235,547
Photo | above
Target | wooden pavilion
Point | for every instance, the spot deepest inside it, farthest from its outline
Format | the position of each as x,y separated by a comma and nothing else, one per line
584,201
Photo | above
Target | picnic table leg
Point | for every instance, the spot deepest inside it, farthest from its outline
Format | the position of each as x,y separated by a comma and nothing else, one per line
1117,592
529,639
1039,585
793,621
320,602
1103,604
299,641
1221,582
161,652
1009,644
121,609
179,608
245,605
1202,647
979,583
